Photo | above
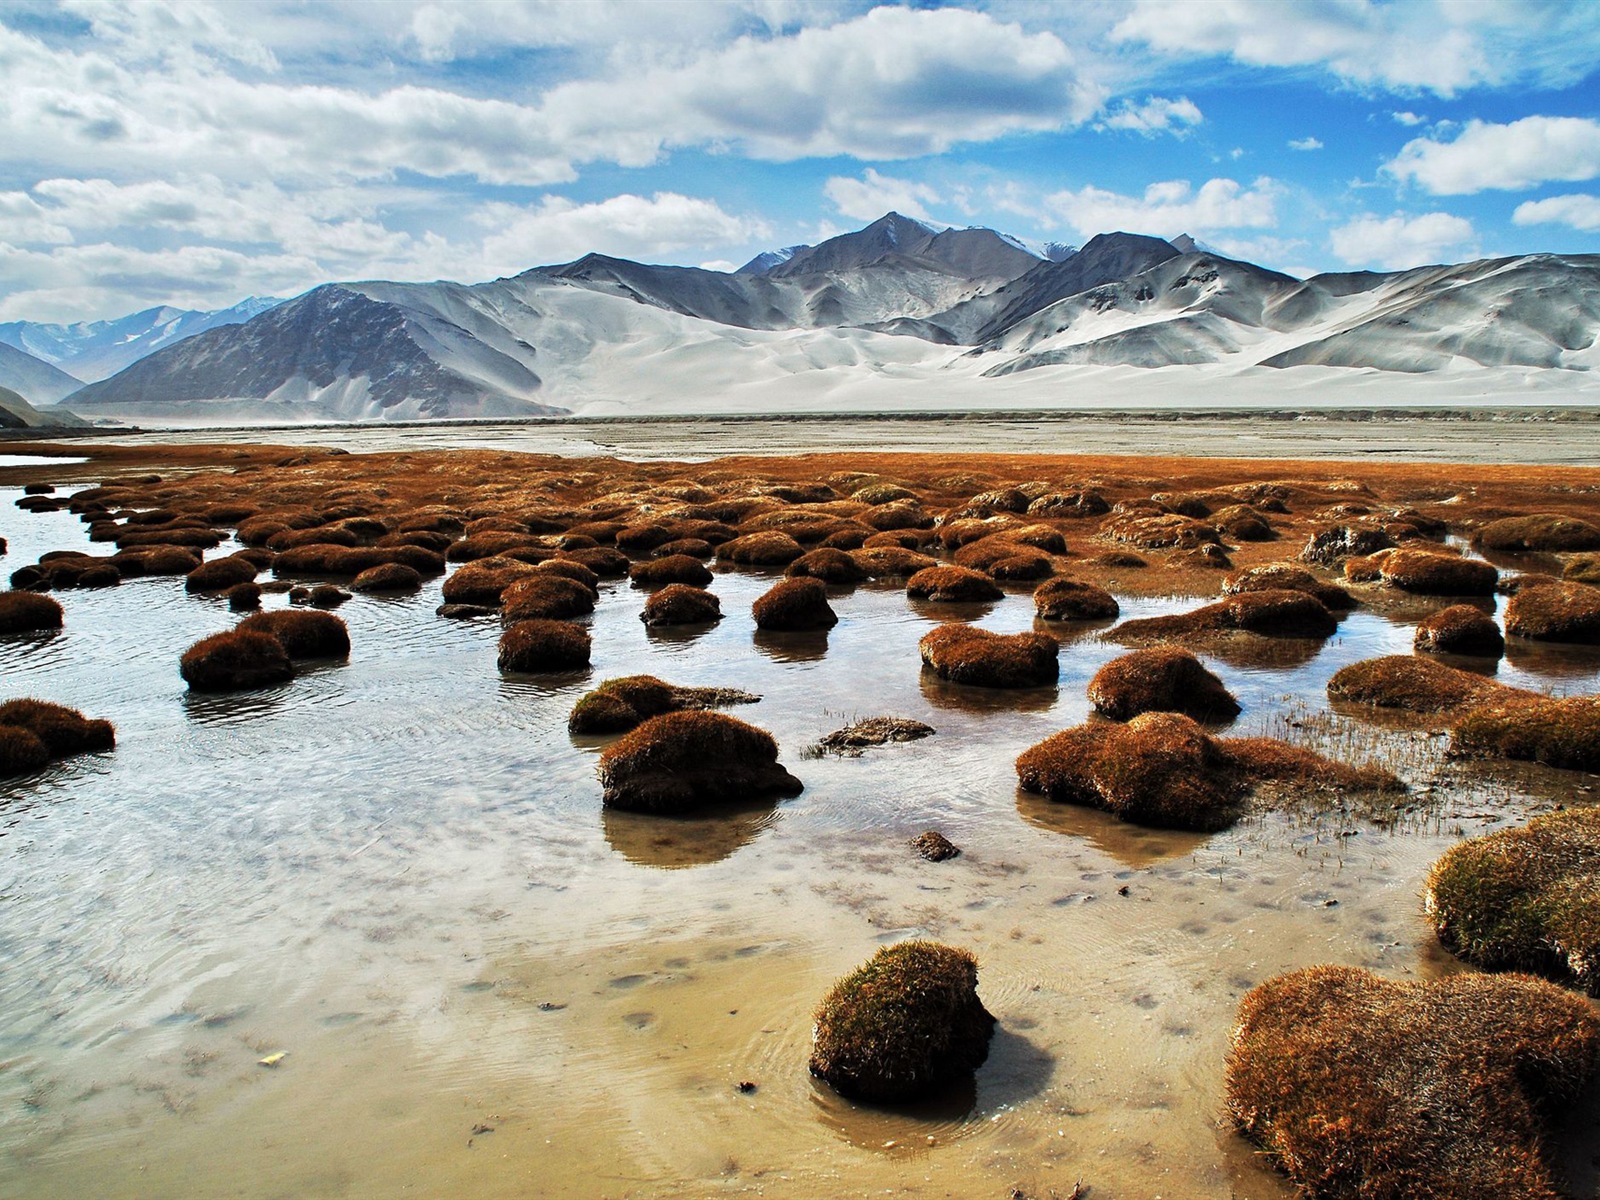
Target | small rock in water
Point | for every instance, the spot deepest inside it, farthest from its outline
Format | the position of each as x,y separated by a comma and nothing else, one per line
934,846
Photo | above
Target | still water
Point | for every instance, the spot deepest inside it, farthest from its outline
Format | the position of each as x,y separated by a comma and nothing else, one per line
396,873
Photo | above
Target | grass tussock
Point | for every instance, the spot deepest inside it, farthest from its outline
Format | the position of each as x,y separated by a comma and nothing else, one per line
484,581
906,1024
829,564
975,657
302,633
1160,531
1448,1093
1332,544
244,597
1066,599
64,731
532,646
604,561
770,548
25,612
1430,573
1459,629
21,751
1582,568
1286,577
619,705
237,660
681,761
673,568
1269,614
1557,732
795,604
1555,612
1525,899
389,578
934,846
952,585
220,574
680,604
891,562
1412,684
545,597
1548,532
1160,679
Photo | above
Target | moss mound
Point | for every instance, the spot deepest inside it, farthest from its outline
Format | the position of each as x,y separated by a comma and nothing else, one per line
829,564
1412,684
484,580
1550,532
1268,613
326,595
1555,612
978,658
769,548
220,574
64,731
1286,577
1066,599
234,661
1525,899
544,645
1160,679
1427,573
952,584
545,597
891,562
904,1025
390,577
21,751
1459,629
22,612
1445,1094
302,634
681,761
680,604
1556,732
1583,568
673,568
244,597
619,705
794,604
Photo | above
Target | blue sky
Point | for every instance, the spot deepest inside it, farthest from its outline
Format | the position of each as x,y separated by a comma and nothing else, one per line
196,153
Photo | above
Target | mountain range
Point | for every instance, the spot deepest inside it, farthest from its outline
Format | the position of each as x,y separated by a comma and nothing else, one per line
899,314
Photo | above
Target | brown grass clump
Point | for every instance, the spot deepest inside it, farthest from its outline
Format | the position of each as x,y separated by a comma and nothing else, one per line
1073,505
902,514
618,705
570,570
793,605
1412,684
235,661
1556,732
1333,543
326,595
1286,577
492,543
347,561
1067,599
829,564
220,574
302,634
1525,899
390,577
602,560
1582,568
952,584
244,597
674,568
545,597
1445,1094
1270,614
891,562
681,761
485,580
934,846
1428,573
1555,612
770,548
905,1025
21,751
64,731
318,535
540,645
874,731
23,612
1160,679
1163,531
967,655
159,560
1459,629
680,604
1550,532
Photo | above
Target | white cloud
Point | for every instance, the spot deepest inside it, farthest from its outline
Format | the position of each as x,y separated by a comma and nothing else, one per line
1443,46
1399,241
1577,211
1156,115
626,226
1522,154
1305,143
869,197
1408,118
1167,209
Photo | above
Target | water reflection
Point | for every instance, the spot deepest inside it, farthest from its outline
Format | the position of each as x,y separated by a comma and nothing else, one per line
670,843
232,708
801,646
957,697
1135,845
1554,660
943,612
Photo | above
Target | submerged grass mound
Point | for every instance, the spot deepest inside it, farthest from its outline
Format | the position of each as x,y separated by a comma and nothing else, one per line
681,761
545,597
1160,679
673,568
1525,899
544,645
1286,577
1557,732
1428,573
978,658
1557,611
1413,684
795,604
905,1025
874,731
1269,614
952,584
1459,629
1066,599
24,612
1446,1094
235,661
302,633
935,847
1549,532
618,705
680,604
64,731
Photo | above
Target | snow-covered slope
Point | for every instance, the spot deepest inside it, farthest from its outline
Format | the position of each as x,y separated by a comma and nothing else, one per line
34,378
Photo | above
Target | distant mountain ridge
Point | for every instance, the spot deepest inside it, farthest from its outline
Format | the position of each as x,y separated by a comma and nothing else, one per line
898,301
34,379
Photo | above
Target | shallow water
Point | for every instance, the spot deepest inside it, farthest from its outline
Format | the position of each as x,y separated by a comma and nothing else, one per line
397,872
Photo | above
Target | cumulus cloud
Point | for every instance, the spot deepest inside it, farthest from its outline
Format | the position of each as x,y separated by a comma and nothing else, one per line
1167,208
1408,118
869,197
557,229
1305,143
1401,241
1575,211
1157,114
1522,154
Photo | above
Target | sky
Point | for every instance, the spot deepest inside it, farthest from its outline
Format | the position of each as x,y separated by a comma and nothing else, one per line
196,153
